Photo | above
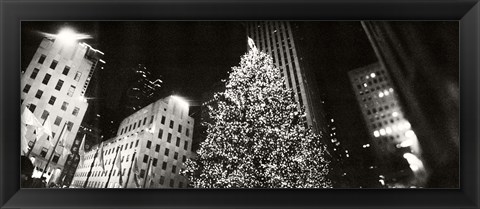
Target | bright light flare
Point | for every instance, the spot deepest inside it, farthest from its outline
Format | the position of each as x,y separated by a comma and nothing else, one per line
182,101
415,163
67,36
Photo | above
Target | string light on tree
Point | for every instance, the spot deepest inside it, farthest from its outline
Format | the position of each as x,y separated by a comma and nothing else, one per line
258,137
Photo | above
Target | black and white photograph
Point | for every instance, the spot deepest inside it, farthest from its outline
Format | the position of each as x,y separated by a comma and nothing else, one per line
239,104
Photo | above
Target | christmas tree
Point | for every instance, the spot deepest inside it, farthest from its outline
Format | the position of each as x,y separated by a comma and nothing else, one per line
258,136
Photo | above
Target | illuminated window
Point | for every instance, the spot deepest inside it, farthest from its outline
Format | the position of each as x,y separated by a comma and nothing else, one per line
380,95
376,133
372,75
382,132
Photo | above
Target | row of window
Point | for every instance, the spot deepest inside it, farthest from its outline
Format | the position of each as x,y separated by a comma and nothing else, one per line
53,65
97,184
132,126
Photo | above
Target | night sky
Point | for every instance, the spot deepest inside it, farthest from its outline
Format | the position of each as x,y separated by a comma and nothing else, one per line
190,56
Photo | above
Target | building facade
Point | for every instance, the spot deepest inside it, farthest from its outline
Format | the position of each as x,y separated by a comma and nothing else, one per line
392,138
277,38
53,86
158,138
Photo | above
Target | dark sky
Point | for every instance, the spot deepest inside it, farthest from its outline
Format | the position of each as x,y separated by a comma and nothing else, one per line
191,56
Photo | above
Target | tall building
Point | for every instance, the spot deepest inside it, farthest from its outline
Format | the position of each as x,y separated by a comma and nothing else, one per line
157,137
395,143
279,40
143,88
423,59
53,86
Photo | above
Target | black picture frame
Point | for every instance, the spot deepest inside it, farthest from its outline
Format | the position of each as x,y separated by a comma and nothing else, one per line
12,12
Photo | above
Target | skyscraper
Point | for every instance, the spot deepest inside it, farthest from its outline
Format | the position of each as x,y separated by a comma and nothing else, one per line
158,138
392,139
279,40
143,88
53,86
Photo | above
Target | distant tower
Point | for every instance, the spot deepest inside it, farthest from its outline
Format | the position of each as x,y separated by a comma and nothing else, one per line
53,86
278,40
393,140
143,89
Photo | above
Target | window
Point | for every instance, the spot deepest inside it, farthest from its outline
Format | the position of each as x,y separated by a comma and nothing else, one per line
66,70
45,114
64,106
44,151
52,100
34,73
54,64
154,162
32,108
160,133
151,120
131,145
179,128
184,158
169,137
164,165
39,94
167,151
162,179
75,111
171,182
56,157
78,75
136,144
144,121
27,88
185,146
163,120
42,59
128,156
187,132
149,144
46,79
71,90
69,126
171,124
180,184
178,142
58,119
175,156
134,125
59,85
145,158
174,169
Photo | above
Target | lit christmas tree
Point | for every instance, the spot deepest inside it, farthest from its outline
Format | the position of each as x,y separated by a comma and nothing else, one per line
258,137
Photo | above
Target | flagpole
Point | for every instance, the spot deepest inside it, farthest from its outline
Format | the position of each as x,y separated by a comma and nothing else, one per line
130,170
53,151
91,167
35,141
113,165
146,173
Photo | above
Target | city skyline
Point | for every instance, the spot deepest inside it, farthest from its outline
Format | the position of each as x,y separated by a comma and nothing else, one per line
190,57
